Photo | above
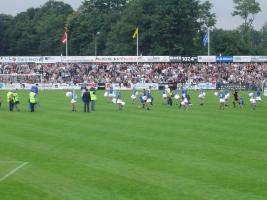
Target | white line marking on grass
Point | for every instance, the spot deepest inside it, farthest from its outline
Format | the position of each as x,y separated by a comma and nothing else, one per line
13,171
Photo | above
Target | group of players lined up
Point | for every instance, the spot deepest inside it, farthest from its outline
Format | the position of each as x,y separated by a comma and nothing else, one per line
182,98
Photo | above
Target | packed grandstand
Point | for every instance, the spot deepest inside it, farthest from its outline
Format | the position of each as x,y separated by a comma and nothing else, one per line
248,75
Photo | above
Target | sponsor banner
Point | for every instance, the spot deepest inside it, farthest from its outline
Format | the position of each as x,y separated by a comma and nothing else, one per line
148,59
141,86
15,86
52,59
115,59
132,59
206,58
41,86
189,59
7,59
224,59
242,59
78,59
204,86
21,59
175,59
258,58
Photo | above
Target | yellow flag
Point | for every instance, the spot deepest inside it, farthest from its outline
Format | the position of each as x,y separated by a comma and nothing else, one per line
135,33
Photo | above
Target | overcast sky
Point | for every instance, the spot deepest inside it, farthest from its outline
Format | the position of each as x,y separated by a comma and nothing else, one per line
222,8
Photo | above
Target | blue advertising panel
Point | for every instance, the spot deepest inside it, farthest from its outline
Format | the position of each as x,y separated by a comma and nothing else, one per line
225,59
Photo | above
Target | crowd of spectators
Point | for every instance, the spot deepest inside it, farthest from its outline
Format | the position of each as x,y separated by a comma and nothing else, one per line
236,73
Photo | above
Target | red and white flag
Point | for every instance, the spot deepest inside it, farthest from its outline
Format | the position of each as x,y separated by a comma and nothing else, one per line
64,38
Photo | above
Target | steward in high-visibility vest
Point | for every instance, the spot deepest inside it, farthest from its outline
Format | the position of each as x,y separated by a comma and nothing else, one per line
32,100
93,99
10,100
16,101
9,96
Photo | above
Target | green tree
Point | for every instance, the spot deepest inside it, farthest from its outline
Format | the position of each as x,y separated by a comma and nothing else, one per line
93,17
38,31
246,9
5,24
166,27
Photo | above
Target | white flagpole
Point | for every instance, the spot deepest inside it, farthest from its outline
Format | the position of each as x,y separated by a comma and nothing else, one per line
208,41
67,47
137,46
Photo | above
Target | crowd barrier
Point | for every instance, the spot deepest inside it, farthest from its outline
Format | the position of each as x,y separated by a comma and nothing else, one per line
133,59
117,86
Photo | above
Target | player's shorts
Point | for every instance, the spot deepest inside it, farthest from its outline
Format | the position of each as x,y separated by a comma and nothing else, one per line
105,94
133,97
258,98
222,100
110,95
144,98
184,103
177,96
73,101
119,101
201,96
149,100
164,96
252,100
114,100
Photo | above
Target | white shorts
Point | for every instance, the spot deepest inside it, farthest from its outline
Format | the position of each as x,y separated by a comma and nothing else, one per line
133,97
114,100
258,98
222,100
201,96
183,103
177,96
73,101
144,98
252,100
110,95
119,101
164,96
149,100
105,94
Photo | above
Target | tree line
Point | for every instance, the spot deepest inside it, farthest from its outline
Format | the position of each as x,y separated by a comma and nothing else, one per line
169,27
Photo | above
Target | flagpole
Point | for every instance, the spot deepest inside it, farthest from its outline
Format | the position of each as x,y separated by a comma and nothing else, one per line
137,46
208,41
66,48
67,38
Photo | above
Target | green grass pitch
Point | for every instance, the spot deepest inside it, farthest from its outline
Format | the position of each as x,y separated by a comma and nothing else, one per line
162,154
